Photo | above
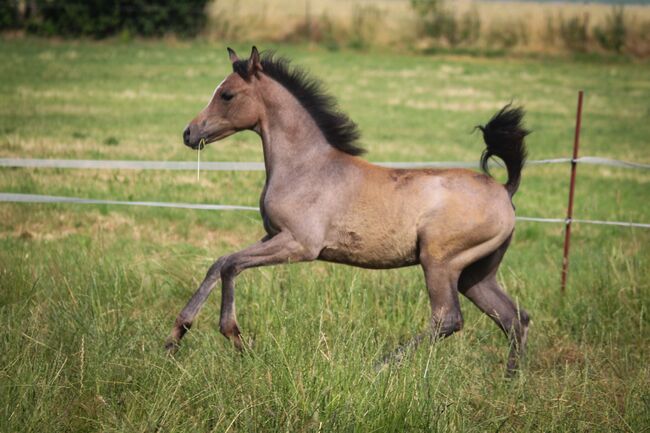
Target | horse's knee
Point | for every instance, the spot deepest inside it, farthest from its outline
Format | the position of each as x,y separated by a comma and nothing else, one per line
215,269
228,268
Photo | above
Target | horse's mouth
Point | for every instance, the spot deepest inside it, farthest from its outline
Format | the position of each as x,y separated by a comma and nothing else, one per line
211,138
200,145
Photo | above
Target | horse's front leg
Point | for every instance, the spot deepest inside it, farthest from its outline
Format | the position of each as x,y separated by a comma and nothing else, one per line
282,248
278,249
187,315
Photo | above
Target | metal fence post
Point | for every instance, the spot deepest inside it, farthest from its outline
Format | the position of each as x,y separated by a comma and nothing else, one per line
569,216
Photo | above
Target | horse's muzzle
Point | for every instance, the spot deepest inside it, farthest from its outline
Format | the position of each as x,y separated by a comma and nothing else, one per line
186,136
192,137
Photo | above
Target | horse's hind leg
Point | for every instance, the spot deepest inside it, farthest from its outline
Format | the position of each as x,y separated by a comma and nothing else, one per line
442,285
479,284
446,318
513,321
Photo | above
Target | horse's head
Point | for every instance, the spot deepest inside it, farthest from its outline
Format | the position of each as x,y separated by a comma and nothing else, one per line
235,105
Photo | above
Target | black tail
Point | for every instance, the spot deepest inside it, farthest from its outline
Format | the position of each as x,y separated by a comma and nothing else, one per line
504,137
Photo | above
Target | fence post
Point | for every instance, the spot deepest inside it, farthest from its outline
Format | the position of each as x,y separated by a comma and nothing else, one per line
569,216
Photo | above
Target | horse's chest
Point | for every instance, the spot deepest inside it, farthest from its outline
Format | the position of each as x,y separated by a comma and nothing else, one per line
290,207
279,211
267,221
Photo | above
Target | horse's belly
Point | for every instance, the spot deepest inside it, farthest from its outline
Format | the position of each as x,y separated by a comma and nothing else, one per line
389,249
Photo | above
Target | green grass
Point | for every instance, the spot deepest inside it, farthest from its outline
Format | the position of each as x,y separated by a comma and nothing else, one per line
88,293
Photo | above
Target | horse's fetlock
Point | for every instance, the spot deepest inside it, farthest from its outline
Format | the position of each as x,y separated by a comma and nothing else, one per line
455,325
448,325
183,324
229,329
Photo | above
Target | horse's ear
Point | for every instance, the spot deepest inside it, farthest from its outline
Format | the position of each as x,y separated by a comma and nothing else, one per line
254,62
232,55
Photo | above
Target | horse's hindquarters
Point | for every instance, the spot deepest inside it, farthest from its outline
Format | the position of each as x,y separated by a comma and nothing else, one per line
391,215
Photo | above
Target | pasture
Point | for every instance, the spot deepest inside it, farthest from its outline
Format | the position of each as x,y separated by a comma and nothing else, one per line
89,293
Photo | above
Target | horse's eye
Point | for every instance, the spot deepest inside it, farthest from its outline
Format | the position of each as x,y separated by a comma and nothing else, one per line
226,96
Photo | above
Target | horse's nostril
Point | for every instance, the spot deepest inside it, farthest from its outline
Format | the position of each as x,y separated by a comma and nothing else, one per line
186,136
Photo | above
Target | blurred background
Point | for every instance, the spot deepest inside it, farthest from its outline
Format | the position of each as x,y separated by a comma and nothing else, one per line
614,26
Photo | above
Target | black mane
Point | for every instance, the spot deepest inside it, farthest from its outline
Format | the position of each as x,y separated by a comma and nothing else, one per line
340,132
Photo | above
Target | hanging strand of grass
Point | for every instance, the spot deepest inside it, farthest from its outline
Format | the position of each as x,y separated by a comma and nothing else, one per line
198,160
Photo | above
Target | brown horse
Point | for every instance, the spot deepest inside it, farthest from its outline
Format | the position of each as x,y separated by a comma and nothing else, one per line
322,202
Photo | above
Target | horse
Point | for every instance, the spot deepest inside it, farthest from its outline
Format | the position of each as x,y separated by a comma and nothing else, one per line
321,201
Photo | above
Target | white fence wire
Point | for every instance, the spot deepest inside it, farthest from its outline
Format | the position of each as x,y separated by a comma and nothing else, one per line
258,166
37,198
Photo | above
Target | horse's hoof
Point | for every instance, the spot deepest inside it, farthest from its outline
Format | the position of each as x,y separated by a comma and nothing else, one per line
239,343
386,362
512,369
171,347
396,358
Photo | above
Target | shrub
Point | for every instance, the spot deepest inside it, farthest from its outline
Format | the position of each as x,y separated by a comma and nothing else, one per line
364,26
9,17
101,18
320,30
470,27
441,23
574,32
507,33
551,30
638,39
613,34
325,33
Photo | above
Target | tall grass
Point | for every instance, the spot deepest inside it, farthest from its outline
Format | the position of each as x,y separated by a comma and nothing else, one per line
426,24
84,318
89,293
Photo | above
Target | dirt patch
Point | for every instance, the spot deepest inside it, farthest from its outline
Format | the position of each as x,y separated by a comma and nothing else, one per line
561,354
119,224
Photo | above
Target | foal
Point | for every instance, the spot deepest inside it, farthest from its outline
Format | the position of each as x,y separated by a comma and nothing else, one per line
321,201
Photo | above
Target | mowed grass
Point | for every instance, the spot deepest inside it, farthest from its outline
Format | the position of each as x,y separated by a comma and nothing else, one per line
89,293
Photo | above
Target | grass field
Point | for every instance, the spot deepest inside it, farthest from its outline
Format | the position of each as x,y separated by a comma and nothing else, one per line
89,293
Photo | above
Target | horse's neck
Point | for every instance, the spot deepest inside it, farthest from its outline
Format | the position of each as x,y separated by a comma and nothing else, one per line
291,139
